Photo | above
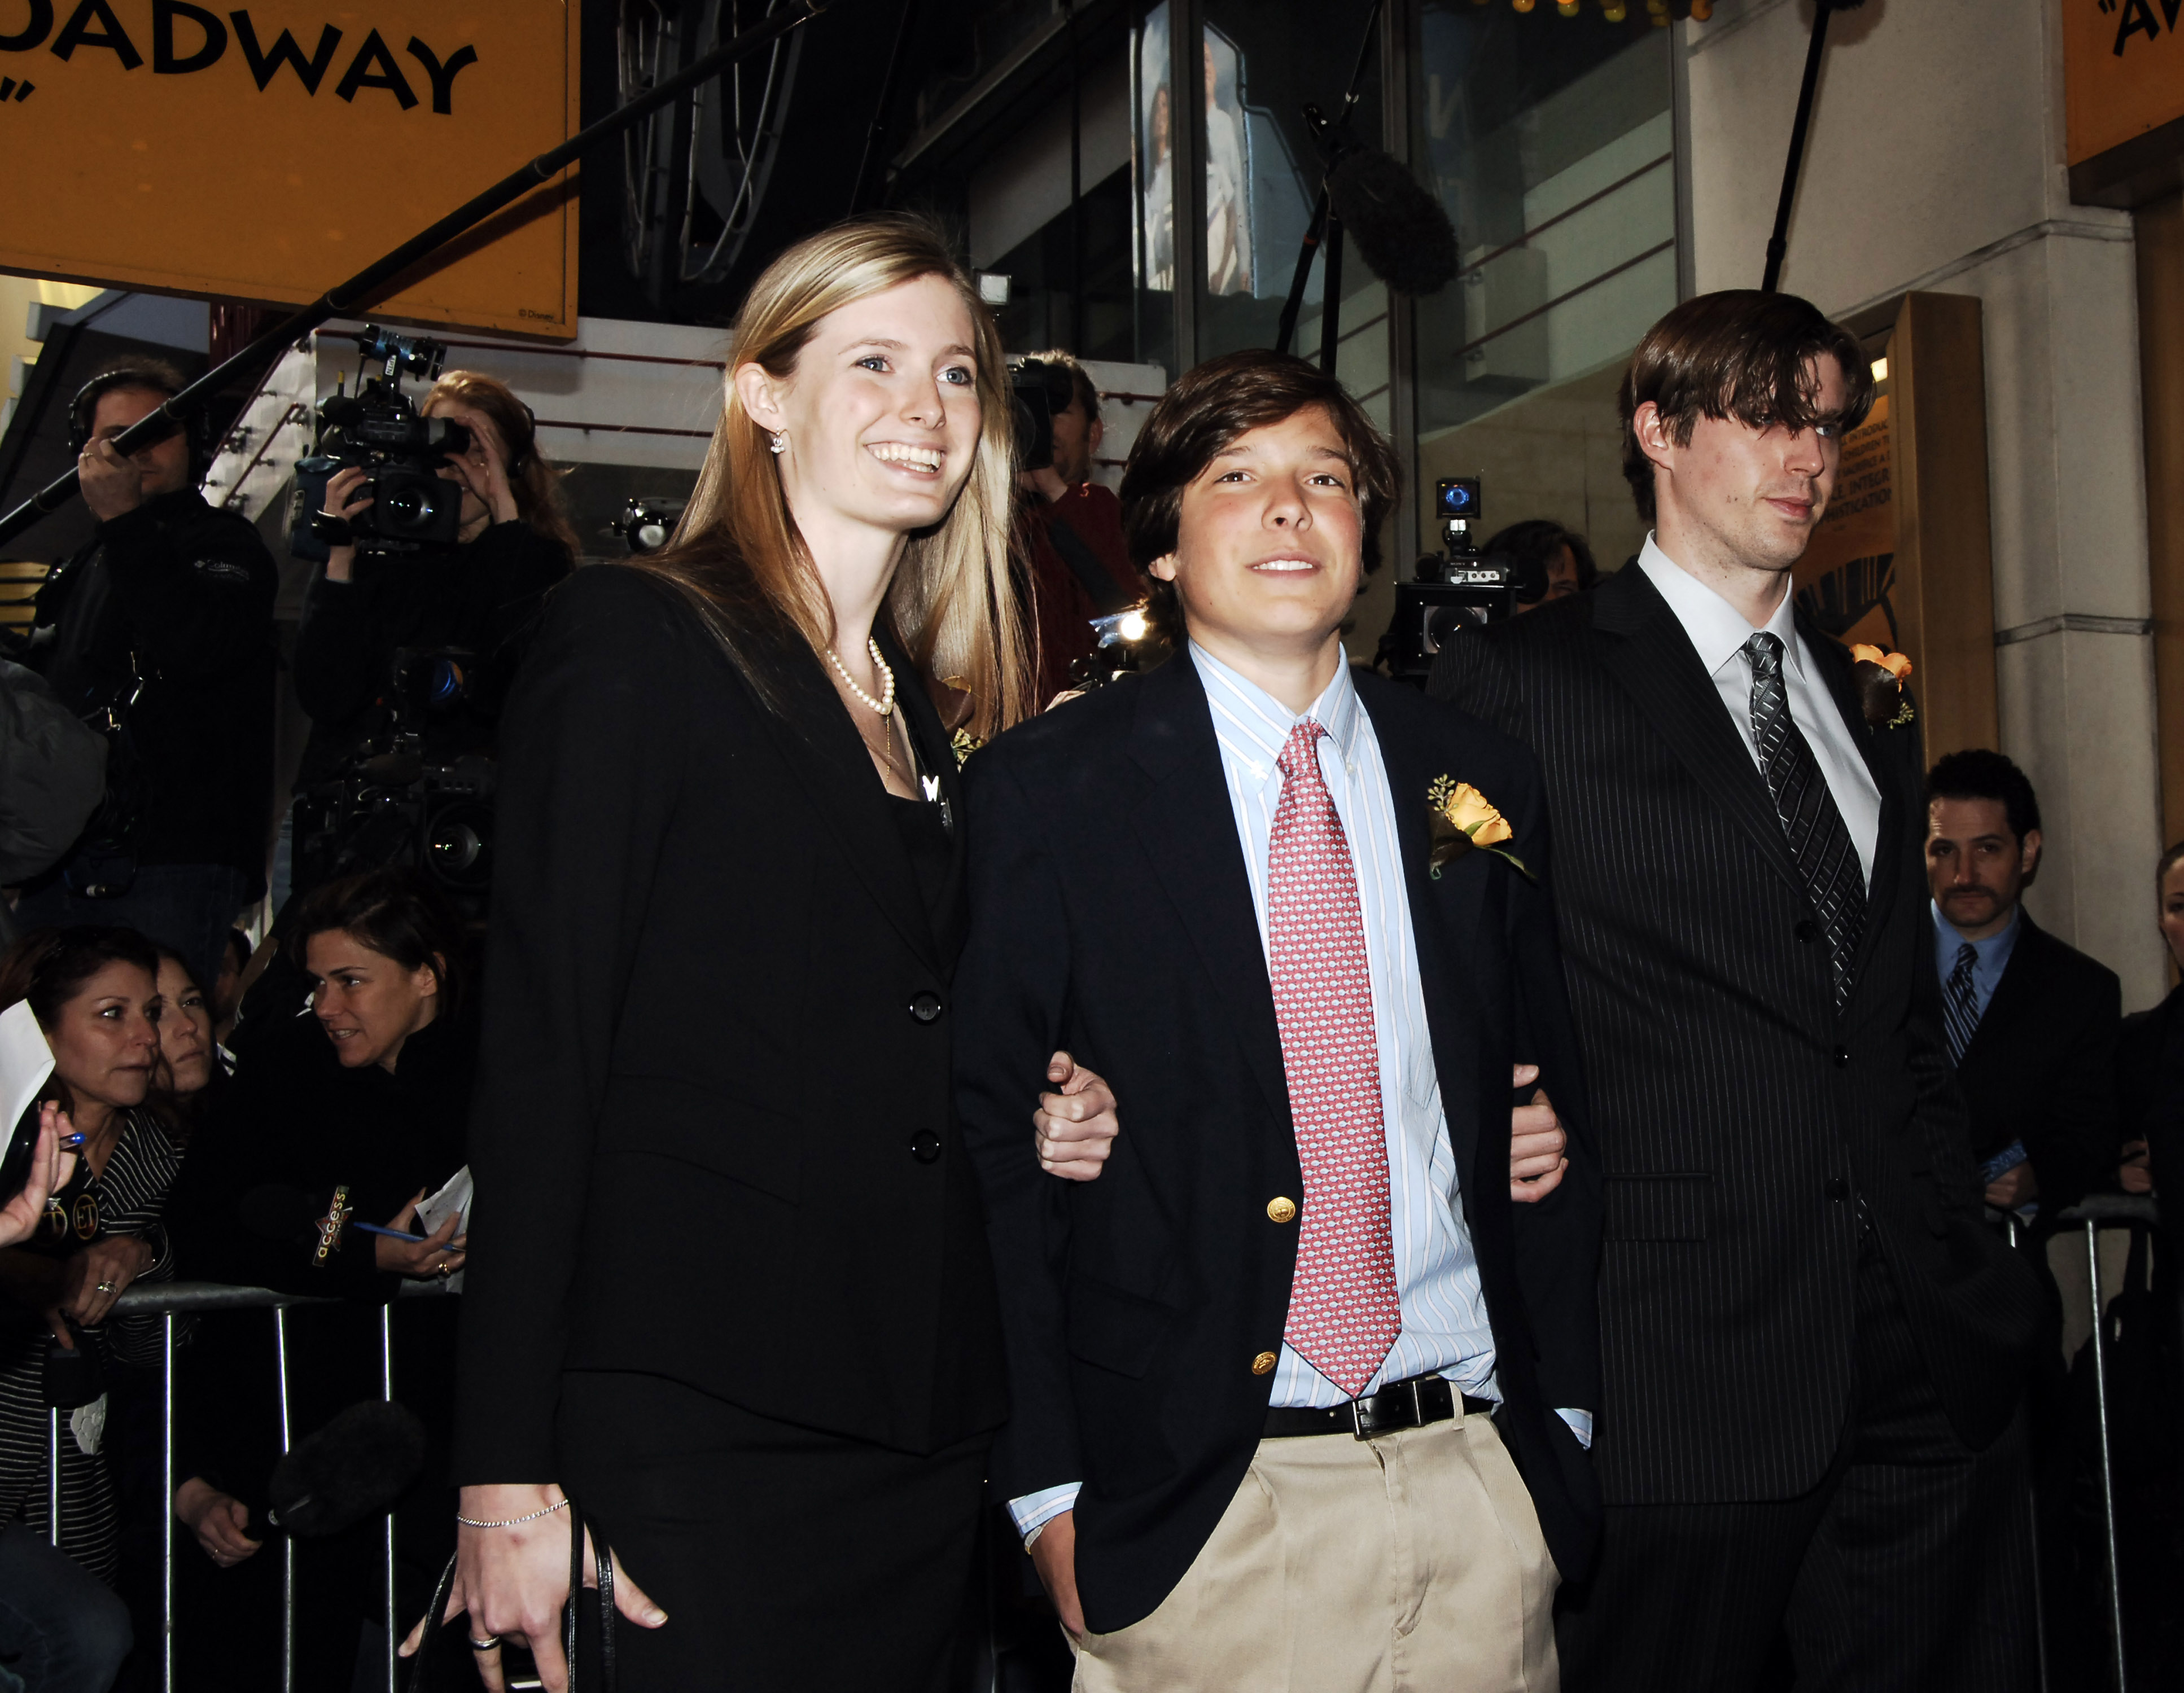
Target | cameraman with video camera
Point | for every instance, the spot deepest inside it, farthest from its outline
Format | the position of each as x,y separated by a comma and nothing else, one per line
512,543
160,635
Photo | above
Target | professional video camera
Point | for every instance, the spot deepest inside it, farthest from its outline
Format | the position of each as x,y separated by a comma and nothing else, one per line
1455,589
1037,391
379,428
419,791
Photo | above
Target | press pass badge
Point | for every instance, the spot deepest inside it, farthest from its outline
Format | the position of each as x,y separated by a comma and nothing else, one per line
26,1063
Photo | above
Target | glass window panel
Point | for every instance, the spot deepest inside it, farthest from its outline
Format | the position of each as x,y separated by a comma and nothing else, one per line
1549,141
1262,64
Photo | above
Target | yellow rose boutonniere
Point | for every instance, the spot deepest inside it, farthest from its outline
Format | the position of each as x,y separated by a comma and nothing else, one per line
1879,677
1461,818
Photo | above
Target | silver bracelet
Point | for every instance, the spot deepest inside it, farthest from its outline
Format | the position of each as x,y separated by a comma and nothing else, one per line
473,1522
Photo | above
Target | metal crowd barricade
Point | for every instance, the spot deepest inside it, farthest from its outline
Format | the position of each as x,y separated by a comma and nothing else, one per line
2088,1218
166,1300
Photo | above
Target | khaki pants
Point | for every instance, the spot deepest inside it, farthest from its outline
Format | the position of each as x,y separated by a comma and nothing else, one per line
1412,1563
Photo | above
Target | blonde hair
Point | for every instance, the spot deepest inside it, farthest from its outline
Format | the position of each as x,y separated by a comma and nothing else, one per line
532,477
736,556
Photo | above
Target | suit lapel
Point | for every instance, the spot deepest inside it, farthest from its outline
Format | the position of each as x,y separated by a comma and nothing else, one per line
2012,994
1458,948
1888,843
1647,652
821,745
1189,832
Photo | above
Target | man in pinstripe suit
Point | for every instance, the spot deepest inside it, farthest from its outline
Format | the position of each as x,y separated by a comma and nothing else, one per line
1813,1346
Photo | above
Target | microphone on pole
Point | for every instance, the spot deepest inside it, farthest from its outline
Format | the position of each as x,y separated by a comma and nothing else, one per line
1778,243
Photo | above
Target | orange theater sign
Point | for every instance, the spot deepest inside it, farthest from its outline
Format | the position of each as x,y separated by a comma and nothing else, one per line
266,152
2124,69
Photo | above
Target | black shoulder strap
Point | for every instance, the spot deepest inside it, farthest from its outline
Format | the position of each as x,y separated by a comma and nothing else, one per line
1106,594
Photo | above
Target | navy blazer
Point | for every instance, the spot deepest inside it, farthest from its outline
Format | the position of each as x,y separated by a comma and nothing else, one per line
1112,916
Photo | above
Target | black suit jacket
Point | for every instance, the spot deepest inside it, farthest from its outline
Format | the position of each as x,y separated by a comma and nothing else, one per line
1739,1114
1112,915
2042,1066
2150,1088
714,1074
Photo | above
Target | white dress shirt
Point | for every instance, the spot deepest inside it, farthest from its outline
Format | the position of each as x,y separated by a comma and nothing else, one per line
1719,630
1444,1330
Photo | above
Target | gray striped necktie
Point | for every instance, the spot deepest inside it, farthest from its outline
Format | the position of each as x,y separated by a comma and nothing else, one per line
1818,842
1959,1005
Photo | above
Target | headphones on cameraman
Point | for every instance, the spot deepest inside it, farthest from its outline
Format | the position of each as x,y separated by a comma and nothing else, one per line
146,377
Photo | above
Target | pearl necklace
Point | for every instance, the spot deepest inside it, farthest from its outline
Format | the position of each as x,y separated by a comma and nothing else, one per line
885,703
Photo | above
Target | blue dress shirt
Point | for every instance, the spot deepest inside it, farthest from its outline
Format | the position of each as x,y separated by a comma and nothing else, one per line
1992,955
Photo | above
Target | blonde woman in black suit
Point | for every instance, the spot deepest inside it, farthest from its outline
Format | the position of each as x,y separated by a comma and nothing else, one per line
728,1284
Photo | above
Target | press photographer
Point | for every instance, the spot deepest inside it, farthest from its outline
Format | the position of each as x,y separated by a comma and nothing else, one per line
444,594
160,634
1069,528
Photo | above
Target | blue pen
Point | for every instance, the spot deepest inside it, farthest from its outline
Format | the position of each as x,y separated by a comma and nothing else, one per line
391,1234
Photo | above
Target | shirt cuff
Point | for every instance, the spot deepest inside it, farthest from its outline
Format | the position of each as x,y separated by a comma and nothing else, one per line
1034,1511
1580,1424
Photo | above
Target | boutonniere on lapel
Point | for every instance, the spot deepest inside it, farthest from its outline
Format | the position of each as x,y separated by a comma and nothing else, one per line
1461,818
1879,677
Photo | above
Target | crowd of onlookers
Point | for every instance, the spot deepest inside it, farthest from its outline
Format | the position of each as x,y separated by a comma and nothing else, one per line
244,1105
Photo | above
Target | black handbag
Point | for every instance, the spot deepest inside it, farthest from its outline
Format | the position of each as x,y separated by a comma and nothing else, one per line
602,1555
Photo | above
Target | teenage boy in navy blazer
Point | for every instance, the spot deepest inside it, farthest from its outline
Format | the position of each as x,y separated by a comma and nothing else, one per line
1299,1397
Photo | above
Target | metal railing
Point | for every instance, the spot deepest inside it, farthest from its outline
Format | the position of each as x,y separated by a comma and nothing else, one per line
2088,1217
167,1300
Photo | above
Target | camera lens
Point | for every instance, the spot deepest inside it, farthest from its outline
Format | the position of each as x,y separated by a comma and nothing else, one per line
459,844
447,686
456,846
405,506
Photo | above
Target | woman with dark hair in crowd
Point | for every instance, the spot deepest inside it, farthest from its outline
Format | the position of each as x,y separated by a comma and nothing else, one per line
95,993
729,1285
1549,561
2150,1057
365,1097
189,1054
514,543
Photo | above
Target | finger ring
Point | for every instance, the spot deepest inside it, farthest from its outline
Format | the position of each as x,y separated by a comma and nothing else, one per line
106,1287
486,1644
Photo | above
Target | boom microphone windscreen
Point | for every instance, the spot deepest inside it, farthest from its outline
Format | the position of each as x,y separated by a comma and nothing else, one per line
355,1467
1400,229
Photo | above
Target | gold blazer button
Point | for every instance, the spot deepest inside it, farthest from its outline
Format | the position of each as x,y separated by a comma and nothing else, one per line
1263,1365
1281,1211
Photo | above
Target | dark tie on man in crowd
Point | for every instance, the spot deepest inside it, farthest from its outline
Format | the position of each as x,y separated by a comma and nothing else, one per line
1298,1394
1813,1346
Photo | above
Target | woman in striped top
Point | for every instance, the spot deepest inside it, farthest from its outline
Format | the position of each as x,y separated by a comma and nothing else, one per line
95,993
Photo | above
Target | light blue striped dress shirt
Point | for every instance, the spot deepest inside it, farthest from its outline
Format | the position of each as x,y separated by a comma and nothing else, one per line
1444,1331
1445,1325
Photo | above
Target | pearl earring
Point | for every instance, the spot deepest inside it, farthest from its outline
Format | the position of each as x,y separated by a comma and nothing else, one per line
780,440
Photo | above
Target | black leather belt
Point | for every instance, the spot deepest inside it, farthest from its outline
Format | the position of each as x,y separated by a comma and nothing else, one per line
1410,1404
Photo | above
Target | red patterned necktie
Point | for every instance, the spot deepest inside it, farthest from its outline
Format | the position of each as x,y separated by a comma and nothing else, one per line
1344,1311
